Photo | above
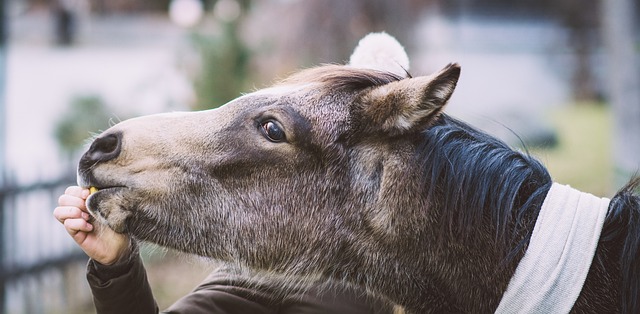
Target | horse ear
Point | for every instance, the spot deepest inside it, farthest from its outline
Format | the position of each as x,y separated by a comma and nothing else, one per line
408,105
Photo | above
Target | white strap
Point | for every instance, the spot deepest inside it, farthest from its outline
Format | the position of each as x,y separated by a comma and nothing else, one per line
551,274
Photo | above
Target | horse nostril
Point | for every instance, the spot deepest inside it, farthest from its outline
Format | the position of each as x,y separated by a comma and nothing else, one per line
105,148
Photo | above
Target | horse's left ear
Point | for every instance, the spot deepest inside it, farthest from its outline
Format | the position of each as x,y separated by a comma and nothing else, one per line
408,105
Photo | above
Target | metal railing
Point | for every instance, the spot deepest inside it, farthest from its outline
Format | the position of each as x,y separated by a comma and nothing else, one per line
41,268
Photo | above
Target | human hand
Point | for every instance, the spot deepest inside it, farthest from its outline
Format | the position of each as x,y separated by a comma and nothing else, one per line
97,240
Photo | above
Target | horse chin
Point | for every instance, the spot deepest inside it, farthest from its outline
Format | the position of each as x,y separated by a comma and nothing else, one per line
109,206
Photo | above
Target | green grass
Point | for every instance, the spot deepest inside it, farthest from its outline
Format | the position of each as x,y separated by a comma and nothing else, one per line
582,157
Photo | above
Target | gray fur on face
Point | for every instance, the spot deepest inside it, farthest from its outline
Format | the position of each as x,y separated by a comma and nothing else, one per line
341,197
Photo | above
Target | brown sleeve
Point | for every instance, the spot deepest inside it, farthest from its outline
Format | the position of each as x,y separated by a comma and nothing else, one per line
226,292
335,299
122,287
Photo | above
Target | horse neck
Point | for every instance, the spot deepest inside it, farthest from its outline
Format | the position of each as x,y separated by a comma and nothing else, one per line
458,232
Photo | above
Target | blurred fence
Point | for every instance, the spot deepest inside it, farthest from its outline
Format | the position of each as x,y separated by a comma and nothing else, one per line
42,270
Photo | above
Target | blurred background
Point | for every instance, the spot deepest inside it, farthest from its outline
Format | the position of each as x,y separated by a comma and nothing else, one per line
558,78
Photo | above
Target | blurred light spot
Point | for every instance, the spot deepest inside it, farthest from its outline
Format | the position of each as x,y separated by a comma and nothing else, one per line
185,13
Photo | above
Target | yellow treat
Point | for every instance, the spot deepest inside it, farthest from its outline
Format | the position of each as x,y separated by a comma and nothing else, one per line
93,189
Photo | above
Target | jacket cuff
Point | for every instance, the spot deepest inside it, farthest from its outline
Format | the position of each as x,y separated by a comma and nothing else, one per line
122,266
121,287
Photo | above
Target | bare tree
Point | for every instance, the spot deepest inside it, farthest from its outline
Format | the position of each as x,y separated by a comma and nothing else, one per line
624,83
581,22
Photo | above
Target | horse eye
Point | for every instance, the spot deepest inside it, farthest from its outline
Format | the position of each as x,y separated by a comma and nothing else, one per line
273,131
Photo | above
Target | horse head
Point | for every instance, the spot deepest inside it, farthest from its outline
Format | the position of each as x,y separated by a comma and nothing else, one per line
298,172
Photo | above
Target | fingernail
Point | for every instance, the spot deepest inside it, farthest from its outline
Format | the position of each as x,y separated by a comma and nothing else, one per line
85,216
89,227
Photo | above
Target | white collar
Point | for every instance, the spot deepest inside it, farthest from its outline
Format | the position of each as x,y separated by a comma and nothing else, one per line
551,274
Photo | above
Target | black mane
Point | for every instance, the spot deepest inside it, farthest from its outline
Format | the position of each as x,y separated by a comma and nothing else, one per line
621,236
481,180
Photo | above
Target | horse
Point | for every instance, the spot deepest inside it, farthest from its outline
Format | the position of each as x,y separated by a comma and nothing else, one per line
350,173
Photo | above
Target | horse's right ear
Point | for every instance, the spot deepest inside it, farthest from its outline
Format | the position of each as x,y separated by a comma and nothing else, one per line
408,105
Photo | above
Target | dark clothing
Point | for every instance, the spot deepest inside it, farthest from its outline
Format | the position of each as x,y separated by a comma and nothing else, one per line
123,288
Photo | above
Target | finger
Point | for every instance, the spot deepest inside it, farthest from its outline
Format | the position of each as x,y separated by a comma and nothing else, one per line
74,191
62,213
77,192
74,226
69,200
